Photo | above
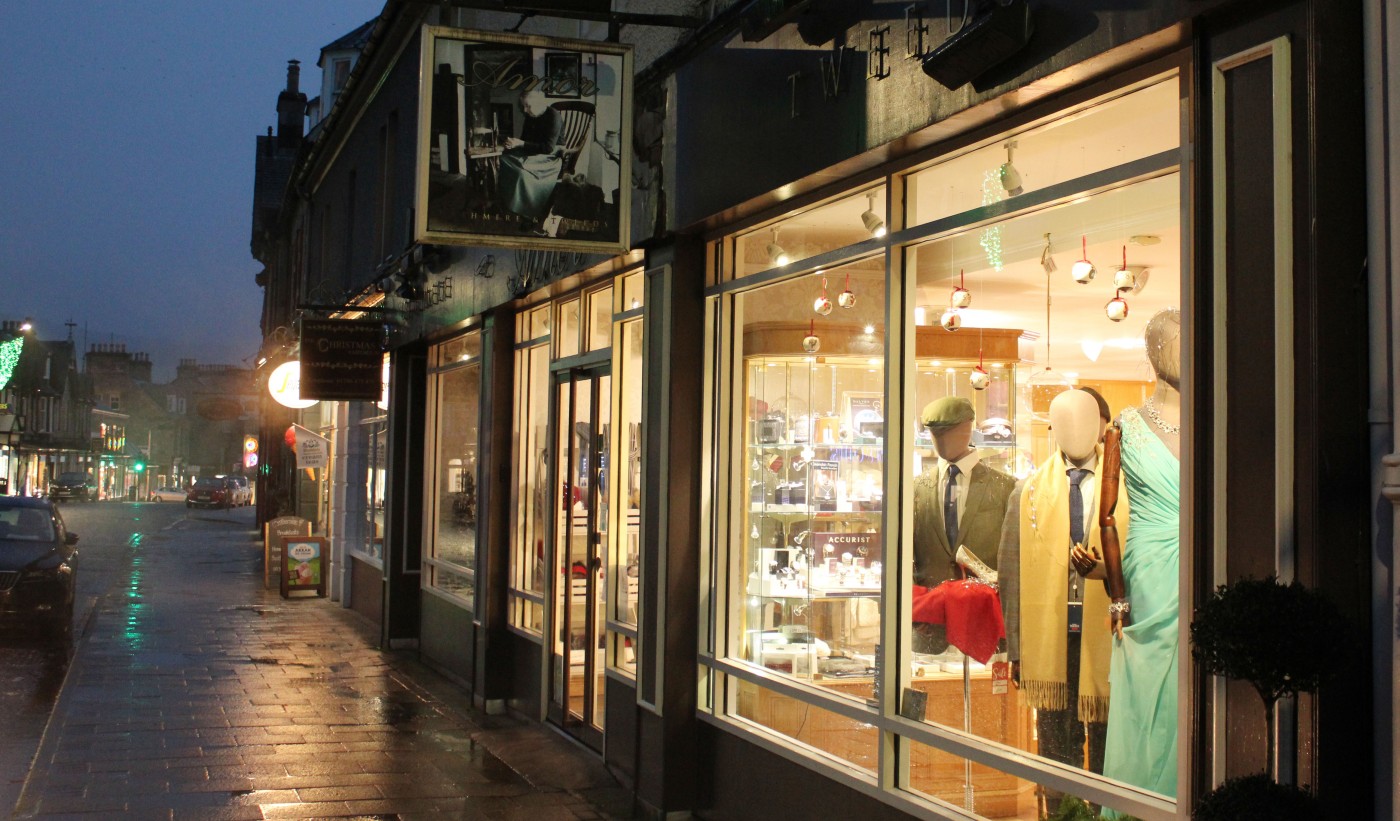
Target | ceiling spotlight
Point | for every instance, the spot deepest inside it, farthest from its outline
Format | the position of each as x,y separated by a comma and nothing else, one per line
776,254
1010,177
872,221
1144,239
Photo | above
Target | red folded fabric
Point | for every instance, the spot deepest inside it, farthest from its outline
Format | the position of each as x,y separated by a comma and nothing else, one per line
971,612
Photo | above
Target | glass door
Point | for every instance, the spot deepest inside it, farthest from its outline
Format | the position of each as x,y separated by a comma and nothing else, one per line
581,420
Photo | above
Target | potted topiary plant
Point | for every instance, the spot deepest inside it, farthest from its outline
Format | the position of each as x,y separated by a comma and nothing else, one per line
1270,635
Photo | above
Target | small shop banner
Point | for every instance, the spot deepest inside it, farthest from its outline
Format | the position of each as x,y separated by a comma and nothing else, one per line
312,449
303,565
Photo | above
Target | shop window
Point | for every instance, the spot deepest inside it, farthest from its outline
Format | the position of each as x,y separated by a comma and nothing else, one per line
568,325
632,291
1115,132
1078,342
625,564
851,219
454,480
809,475
600,313
1003,326
531,488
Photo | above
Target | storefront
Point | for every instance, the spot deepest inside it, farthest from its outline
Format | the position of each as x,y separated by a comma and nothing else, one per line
691,504
1003,272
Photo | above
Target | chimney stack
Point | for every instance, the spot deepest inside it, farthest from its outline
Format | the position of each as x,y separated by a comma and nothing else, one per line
291,109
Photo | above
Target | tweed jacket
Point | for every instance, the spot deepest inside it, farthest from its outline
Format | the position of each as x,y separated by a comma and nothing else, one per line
979,529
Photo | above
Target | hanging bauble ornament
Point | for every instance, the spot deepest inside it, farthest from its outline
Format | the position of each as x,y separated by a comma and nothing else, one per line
1124,279
951,320
961,297
1083,270
821,304
847,298
979,379
810,342
1117,309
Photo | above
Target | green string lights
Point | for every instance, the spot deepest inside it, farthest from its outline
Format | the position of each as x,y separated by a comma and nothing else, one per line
9,358
992,192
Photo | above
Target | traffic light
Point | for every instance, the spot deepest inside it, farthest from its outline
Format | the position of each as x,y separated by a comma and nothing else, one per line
139,467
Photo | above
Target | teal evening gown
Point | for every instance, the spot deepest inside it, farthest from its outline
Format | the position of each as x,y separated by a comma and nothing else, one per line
1142,729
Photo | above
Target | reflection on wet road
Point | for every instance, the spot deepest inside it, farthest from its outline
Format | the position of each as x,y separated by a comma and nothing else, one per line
33,662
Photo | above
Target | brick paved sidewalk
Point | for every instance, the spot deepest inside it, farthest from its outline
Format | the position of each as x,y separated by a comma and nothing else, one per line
197,694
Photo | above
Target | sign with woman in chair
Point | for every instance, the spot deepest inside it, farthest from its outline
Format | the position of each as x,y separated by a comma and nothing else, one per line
523,142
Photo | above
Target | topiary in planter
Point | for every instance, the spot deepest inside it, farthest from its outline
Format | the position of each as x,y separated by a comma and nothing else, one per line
1282,639
1257,798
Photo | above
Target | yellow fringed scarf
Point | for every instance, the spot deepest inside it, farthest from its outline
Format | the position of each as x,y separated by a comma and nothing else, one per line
1044,576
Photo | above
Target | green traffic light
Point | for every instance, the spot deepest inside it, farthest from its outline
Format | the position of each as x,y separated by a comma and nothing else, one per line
138,467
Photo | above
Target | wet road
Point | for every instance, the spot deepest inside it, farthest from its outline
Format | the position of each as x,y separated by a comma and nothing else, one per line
194,692
32,664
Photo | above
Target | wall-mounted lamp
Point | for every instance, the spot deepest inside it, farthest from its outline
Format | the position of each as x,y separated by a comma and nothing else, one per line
872,221
776,254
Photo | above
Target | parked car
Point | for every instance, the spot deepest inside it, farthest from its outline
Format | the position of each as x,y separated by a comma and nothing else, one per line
72,486
209,491
242,492
38,562
167,494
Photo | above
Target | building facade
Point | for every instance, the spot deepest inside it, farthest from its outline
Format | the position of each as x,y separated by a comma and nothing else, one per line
684,501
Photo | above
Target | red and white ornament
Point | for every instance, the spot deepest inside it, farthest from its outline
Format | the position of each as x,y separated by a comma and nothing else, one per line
951,320
1117,309
1083,270
811,343
1124,279
961,297
821,304
847,298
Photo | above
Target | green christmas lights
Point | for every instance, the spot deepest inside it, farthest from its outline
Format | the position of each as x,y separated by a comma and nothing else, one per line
9,358
992,192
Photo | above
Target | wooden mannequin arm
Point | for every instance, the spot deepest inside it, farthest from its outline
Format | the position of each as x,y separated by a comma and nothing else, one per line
1112,547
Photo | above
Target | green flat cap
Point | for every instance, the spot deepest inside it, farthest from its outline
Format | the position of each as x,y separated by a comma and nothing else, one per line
946,412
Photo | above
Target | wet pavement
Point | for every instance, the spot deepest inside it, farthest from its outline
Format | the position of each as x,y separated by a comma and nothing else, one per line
194,693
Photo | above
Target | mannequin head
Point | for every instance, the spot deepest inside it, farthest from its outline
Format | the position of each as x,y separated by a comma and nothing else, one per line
1074,419
950,421
1163,341
953,443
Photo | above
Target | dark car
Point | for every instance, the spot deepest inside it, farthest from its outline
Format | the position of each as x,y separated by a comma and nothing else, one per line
38,563
210,491
72,486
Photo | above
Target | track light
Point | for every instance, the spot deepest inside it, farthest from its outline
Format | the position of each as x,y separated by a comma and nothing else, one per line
776,254
1010,177
872,221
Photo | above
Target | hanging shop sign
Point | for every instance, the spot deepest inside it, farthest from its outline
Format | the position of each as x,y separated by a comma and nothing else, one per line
284,384
524,142
341,359
312,449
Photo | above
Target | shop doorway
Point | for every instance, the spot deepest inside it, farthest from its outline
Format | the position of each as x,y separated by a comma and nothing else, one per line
580,422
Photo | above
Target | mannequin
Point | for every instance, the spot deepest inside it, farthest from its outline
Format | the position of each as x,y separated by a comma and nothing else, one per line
1059,648
978,498
1144,576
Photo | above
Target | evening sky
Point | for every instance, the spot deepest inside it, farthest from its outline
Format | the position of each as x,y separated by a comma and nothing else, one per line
127,134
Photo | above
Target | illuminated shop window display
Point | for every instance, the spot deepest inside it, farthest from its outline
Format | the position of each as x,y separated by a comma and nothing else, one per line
455,396
931,493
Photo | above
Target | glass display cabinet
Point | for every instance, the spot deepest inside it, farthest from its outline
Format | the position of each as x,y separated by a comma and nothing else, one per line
813,475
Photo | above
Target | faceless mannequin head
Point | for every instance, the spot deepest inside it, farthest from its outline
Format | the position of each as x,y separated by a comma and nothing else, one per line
954,442
1074,419
1163,341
